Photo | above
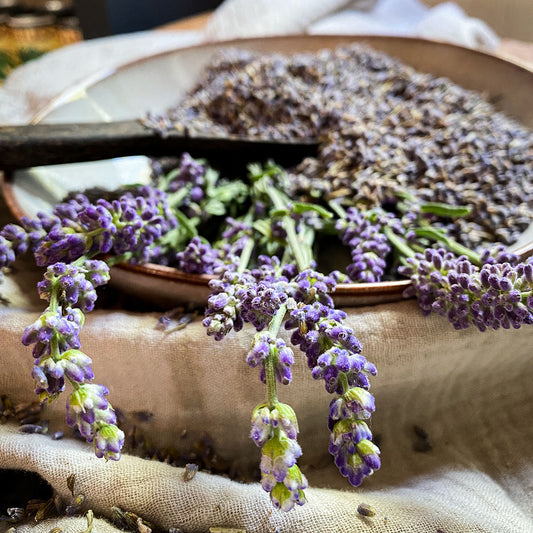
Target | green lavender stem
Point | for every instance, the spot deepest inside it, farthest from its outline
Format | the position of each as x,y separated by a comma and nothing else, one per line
300,256
453,246
398,243
270,376
246,255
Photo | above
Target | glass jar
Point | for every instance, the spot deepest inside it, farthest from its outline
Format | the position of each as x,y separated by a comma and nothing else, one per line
33,34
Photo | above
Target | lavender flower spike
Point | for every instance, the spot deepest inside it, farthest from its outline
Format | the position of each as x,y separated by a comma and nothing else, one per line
275,430
497,295
89,410
356,456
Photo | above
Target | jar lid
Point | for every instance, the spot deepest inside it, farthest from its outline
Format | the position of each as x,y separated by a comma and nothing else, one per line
8,4
30,20
48,6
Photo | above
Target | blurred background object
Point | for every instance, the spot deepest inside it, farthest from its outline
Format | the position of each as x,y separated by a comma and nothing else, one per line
108,17
508,18
29,28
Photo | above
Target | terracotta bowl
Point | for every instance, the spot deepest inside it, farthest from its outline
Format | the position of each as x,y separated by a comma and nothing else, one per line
156,83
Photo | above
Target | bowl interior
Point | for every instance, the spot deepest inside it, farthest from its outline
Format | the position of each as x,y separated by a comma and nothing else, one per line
157,83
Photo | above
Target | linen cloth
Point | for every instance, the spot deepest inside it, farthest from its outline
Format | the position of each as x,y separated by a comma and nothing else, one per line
470,391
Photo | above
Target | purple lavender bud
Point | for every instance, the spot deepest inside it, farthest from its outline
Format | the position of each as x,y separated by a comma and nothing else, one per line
261,425
14,241
354,454
77,366
108,442
7,255
284,499
89,410
311,286
486,297
51,324
49,379
219,322
198,258
189,171
360,402
235,229
261,347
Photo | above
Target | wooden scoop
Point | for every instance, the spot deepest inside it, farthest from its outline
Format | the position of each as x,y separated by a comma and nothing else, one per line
53,144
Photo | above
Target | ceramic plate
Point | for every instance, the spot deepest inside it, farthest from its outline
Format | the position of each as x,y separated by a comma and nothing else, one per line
157,83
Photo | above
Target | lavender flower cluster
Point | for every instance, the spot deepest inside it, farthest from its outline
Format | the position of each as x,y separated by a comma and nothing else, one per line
362,232
129,225
334,355
274,430
496,295
266,297
70,291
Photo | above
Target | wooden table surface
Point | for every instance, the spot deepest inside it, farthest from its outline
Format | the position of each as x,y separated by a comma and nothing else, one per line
518,51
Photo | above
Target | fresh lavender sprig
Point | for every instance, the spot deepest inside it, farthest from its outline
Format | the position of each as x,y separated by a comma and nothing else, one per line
128,225
274,425
363,232
334,355
70,291
278,292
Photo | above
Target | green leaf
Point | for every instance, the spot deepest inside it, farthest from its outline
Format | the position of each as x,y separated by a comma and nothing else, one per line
230,192
279,213
186,223
211,177
445,210
435,234
215,207
301,207
263,227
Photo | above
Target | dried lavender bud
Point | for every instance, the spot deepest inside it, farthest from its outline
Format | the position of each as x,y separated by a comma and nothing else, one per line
33,428
190,471
75,505
365,509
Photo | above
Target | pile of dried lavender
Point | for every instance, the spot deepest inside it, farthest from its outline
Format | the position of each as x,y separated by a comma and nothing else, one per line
384,127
